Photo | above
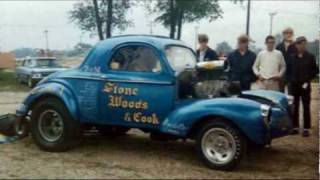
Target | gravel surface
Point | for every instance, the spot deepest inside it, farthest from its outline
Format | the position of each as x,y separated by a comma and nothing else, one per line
135,156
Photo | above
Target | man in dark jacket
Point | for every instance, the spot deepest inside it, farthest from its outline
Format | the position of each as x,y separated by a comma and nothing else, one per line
205,53
302,69
240,62
288,48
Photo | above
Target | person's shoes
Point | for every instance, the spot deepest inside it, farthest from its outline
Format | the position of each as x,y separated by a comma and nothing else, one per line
294,132
305,133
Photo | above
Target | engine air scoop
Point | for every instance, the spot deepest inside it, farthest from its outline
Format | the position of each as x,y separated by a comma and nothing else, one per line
210,64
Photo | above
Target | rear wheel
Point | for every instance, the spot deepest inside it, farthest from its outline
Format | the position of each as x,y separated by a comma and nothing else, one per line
52,126
220,145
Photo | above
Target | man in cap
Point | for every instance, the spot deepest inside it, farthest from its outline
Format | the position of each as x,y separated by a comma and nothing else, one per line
205,53
288,48
302,69
239,64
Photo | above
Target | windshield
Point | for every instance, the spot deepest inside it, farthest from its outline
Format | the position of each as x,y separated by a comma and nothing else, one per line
47,63
180,58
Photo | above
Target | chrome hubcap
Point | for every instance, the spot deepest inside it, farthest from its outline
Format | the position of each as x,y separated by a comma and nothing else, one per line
50,125
218,145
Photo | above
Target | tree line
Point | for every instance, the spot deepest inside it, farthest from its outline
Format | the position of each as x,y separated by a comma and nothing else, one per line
102,17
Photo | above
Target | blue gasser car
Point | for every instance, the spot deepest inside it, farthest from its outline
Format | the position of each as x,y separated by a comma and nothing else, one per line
148,83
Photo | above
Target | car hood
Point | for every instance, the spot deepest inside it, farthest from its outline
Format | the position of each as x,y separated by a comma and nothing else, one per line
39,70
274,96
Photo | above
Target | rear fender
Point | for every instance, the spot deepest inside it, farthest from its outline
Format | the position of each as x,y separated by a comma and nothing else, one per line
245,114
51,89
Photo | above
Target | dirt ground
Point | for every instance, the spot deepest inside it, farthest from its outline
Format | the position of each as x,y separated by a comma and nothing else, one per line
135,156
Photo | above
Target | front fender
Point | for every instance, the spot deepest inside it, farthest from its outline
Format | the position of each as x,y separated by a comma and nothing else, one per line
50,89
245,114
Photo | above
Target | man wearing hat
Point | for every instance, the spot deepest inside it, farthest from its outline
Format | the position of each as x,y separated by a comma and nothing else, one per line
288,48
302,69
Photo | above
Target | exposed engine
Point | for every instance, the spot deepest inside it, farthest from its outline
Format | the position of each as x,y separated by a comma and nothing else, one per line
197,83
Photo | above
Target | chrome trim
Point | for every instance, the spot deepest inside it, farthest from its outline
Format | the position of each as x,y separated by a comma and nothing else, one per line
265,113
86,78
140,81
118,80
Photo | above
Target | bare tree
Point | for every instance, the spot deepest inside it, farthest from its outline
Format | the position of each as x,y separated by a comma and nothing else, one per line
98,20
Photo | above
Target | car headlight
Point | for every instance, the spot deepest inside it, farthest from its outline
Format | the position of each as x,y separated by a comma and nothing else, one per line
37,75
290,99
265,110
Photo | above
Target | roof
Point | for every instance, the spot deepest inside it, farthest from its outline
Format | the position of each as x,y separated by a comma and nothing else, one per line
157,41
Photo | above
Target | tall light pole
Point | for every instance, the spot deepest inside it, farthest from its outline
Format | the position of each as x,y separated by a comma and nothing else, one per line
248,18
47,40
196,32
151,25
271,14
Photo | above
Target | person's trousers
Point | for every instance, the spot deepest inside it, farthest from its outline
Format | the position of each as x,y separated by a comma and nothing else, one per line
305,95
283,84
245,85
267,84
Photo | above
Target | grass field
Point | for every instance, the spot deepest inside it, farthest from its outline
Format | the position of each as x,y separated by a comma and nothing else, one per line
8,82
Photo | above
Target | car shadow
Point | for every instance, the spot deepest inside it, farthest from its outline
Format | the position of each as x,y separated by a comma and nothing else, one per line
273,159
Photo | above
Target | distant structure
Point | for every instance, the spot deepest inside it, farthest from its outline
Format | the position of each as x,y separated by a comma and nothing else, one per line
7,61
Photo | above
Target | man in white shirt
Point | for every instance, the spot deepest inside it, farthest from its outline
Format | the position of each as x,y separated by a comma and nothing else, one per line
269,67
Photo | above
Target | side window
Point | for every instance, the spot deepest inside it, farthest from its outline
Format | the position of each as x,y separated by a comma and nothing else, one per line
135,58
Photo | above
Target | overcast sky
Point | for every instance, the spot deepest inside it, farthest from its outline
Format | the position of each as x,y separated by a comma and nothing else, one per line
22,23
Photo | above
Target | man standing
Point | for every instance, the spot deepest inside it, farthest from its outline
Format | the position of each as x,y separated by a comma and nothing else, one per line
288,48
303,69
269,67
240,62
205,53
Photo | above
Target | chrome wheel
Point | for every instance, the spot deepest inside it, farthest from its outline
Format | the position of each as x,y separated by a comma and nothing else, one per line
218,145
50,125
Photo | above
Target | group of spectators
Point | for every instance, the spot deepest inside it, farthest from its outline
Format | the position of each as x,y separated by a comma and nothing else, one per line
286,66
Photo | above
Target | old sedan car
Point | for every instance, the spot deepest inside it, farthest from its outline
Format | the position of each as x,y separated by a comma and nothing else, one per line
150,83
33,69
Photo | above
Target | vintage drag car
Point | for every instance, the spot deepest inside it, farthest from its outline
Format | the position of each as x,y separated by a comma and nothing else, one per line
153,84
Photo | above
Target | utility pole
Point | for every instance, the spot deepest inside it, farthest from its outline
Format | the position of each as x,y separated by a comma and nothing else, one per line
196,32
271,14
151,25
47,40
248,18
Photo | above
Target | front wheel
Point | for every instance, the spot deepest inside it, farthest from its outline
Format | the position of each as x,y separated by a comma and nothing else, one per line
220,145
52,126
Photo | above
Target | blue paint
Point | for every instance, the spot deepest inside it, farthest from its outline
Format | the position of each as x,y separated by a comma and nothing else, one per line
84,92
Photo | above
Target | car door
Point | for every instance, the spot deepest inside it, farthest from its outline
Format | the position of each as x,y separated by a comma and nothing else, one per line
138,90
